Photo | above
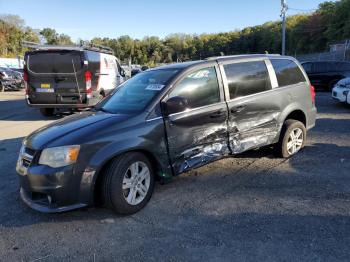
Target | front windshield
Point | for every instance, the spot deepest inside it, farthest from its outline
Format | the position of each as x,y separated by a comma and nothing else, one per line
136,93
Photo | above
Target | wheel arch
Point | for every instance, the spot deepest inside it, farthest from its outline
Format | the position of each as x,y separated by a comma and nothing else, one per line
96,186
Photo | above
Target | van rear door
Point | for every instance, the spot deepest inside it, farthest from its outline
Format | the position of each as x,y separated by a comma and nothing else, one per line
54,77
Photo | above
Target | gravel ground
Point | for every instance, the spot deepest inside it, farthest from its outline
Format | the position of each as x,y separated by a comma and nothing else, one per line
252,207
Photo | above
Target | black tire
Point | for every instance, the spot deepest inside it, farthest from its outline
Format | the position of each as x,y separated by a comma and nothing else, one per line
112,191
280,148
47,111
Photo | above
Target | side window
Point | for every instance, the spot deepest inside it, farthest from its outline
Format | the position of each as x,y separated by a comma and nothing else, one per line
343,66
321,67
307,67
247,78
287,72
200,88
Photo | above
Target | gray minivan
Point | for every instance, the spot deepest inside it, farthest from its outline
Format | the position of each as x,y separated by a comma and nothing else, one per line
72,77
163,122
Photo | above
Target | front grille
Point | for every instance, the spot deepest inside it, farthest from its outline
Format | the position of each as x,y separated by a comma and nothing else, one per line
27,156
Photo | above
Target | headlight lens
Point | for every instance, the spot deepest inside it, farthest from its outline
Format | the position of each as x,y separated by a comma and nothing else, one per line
59,156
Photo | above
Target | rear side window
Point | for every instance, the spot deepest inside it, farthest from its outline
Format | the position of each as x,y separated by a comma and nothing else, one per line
200,88
247,78
54,62
287,72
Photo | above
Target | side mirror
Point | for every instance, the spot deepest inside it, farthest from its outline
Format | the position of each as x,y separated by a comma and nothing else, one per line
174,105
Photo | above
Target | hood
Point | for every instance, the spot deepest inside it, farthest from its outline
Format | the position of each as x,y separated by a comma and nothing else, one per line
56,130
345,82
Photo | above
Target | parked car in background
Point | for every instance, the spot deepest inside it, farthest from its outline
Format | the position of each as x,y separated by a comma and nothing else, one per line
10,80
135,71
71,77
341,91
325,74
163,122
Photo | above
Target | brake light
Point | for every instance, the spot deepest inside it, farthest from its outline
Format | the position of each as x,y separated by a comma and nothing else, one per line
313,94
25,78
88,83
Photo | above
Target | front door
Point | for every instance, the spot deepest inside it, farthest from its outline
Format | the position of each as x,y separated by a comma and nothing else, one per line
197,134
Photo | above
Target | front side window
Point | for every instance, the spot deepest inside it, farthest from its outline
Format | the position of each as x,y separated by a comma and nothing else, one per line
287,72
247,78
199,88
136,93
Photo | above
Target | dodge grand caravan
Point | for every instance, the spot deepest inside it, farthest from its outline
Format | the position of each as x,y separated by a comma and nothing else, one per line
161,123
69,76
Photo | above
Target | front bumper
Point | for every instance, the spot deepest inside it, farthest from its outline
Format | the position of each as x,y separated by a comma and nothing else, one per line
340,94
50,190
39,206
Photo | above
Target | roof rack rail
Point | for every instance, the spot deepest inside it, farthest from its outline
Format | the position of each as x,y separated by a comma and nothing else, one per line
237,56
82,46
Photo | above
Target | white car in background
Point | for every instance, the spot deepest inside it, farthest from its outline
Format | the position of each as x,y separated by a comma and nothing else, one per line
341,91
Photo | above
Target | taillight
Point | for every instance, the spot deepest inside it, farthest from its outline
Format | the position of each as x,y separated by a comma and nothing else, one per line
25,78
313,94
88,83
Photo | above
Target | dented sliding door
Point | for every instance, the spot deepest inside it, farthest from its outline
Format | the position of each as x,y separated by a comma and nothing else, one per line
253,106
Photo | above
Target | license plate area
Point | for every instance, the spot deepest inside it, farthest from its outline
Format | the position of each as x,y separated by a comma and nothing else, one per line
45,90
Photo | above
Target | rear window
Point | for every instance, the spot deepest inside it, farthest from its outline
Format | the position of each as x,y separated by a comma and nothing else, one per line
54,62
287,72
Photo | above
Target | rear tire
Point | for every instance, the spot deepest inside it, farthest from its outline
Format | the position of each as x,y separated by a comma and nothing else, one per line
47,111
128,183
292,139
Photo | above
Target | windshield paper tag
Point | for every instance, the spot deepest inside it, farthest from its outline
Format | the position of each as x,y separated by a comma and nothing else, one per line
155,87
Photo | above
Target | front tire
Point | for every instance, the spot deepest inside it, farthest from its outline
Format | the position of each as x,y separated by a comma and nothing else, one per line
292,139
128,183
47,111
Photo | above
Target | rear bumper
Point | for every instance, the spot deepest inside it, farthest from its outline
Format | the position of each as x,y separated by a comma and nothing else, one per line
311,118
84,105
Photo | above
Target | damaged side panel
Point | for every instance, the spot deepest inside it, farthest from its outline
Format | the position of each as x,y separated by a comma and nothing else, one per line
256,125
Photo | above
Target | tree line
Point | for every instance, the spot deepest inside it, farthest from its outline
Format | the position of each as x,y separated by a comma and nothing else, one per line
306,33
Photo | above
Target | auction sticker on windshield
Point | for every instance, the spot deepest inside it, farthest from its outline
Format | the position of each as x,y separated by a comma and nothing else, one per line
155,87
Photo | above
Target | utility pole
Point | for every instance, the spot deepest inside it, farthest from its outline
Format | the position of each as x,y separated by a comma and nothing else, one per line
284,9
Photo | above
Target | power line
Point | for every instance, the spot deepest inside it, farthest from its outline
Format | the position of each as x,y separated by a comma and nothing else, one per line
301,10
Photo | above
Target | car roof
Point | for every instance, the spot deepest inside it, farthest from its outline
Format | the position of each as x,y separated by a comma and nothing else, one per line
188,64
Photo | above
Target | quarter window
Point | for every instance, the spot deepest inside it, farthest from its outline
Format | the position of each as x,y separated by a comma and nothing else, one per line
200,88
247,78
287,72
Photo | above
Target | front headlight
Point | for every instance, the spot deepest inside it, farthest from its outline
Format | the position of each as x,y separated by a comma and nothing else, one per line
59,156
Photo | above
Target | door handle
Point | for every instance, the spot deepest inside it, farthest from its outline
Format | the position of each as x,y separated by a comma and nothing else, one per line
217,114
237,109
